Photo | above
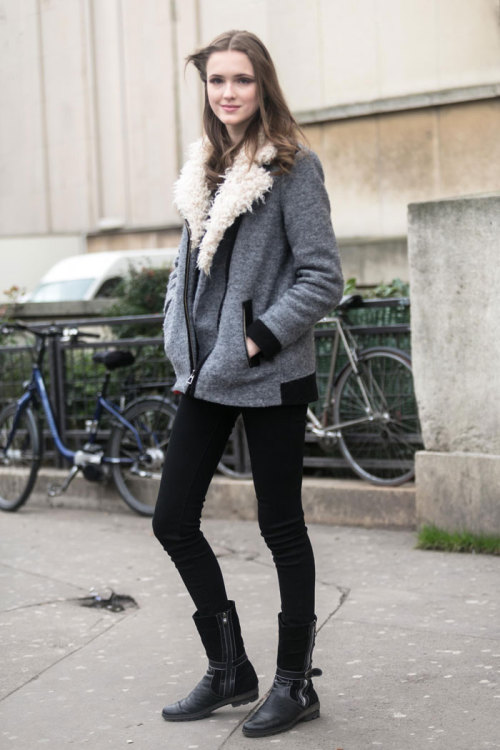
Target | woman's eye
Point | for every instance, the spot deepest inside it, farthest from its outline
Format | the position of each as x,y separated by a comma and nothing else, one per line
216,81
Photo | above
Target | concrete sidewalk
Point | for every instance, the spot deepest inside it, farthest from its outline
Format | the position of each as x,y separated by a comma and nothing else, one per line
409,641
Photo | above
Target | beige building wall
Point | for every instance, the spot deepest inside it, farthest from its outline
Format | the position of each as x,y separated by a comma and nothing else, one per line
333,52
377,164
399,98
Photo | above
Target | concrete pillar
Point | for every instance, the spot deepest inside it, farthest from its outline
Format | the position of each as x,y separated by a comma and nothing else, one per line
453,248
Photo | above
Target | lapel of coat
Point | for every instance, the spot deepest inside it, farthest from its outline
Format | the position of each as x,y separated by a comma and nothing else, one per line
243,185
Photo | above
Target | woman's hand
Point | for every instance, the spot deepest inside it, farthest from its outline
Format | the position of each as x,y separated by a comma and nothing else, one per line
252,347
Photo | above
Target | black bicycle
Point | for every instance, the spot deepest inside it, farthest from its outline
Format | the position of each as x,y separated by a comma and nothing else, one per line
132,454
369,410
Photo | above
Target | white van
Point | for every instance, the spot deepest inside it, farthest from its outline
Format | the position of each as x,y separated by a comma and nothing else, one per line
95,275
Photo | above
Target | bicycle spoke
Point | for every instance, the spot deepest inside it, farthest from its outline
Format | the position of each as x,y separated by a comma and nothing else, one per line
382,450
19,463
152,419
236,459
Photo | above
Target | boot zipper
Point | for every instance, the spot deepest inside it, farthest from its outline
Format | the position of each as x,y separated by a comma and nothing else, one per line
227,638
229,673
310,646
308,664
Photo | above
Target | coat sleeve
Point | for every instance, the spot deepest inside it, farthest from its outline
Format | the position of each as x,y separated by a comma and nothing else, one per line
318,277
172,279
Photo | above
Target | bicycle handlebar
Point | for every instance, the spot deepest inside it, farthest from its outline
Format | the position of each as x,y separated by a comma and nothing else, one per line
53,330
73,333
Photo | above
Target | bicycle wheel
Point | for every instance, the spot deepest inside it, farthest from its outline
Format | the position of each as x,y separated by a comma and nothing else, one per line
381,450
235,462
152,418
18,469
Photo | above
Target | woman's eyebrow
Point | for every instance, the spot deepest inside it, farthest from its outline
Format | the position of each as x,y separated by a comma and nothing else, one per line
234,75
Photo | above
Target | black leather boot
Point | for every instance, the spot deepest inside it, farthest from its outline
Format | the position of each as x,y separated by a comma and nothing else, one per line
292,697
230,677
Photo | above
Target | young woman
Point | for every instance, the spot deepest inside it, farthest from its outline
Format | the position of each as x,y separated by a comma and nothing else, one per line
257,267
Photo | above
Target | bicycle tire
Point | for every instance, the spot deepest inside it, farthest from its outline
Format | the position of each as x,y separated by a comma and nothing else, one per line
381,451
19,470
235,462
152,417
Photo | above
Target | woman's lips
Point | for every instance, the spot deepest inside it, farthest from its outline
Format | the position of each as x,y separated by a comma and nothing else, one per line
230,107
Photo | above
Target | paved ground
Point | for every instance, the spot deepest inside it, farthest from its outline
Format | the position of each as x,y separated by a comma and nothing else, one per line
409,641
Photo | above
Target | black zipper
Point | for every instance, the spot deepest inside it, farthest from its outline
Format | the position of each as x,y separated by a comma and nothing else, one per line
228,654
193,378
227,640
186,307
195,370
308,664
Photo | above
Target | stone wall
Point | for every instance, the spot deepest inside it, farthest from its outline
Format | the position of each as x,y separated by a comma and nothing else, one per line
453,248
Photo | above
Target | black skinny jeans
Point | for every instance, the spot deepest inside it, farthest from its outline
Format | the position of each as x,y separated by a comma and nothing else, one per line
276,443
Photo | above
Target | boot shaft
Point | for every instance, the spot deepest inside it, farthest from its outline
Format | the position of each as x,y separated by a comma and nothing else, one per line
221,635
295,646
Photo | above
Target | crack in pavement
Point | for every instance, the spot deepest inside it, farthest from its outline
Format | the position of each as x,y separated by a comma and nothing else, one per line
230,551
42,575
66,656
255,557
344,595
34,604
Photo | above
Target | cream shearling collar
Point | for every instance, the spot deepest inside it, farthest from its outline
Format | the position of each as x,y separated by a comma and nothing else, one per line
244,183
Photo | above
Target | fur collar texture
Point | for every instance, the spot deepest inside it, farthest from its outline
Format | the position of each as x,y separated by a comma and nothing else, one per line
244,183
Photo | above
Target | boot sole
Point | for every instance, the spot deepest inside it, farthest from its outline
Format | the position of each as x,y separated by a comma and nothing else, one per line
308,715
236,700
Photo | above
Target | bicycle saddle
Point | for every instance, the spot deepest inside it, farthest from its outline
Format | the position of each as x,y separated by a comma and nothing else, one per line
115,359
350,300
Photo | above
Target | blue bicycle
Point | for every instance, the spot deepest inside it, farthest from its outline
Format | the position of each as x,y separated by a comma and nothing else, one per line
132,454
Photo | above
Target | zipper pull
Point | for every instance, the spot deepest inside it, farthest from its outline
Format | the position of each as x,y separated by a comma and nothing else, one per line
191,378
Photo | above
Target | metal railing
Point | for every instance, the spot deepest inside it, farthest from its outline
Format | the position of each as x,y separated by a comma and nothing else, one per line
73,379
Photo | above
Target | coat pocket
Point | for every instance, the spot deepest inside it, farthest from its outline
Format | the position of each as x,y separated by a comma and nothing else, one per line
247,313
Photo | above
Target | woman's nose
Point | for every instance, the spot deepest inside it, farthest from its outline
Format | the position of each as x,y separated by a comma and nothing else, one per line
228,92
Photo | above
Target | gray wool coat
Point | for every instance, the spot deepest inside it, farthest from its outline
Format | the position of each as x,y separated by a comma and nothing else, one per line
259,260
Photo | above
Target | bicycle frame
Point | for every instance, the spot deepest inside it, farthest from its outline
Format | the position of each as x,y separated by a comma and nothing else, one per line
36,387
319,428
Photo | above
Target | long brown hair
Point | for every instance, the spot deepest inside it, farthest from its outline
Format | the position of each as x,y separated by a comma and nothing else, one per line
273,118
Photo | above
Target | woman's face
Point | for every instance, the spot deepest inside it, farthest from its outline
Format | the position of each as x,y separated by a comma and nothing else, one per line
232,90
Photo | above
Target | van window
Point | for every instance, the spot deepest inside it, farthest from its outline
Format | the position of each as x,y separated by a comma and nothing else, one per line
59,291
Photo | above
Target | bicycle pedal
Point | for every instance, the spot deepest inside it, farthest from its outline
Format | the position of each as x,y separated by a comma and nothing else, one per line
53,490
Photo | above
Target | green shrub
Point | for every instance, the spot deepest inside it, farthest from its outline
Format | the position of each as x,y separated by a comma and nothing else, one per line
7,312
142,292
394,288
